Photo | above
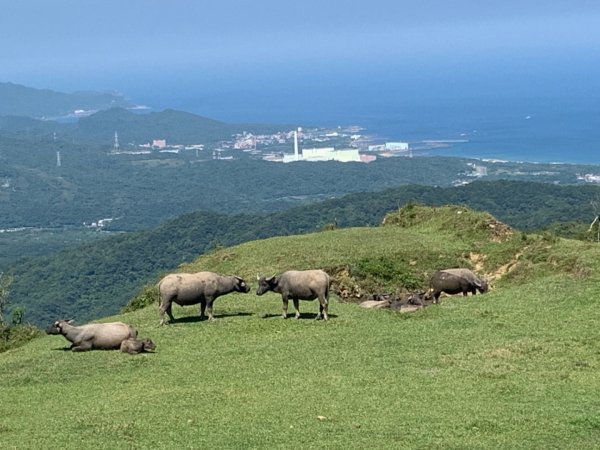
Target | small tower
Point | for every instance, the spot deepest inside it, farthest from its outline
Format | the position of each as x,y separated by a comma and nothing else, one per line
296,155
58,163
116,147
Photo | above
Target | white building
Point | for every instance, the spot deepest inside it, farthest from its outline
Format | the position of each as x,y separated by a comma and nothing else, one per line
324,154
159,143
389,147
396,146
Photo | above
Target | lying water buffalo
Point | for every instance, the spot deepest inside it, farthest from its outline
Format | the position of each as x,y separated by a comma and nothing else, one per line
102,336
194,288
298,285
134,346
405,302
455,281
416,299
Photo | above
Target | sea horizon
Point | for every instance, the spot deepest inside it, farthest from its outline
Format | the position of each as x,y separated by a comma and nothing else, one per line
558,129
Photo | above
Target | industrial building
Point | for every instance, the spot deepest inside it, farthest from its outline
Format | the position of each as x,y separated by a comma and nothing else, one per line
390,147
323,154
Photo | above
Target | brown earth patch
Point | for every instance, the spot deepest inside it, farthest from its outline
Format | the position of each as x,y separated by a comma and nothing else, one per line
499,231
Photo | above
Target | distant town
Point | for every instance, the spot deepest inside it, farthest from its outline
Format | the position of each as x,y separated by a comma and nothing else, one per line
345,144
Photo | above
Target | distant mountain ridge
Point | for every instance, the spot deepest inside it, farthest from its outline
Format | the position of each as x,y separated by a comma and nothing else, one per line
96,116
177,127
18,100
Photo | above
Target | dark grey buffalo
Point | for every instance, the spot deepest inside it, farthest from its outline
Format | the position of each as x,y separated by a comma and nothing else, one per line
194,288
102,336
298,285
456,281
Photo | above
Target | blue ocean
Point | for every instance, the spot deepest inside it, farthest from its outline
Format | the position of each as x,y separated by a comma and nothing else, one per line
533,131
517,126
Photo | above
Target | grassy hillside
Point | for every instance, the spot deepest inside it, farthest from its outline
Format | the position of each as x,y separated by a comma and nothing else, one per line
515,368
98,278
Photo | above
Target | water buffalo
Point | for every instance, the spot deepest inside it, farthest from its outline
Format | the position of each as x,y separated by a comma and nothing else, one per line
455,281
298,285
194,288
102,336
134,346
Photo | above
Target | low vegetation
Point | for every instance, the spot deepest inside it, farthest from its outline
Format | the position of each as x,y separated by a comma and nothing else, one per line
14,333
13,336
514,368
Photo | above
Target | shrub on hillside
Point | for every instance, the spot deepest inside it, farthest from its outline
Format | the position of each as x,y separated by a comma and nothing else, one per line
147,295
454,217
384,273
17,335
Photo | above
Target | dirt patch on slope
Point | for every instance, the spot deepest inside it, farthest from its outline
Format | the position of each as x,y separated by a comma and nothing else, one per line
499,232
478,261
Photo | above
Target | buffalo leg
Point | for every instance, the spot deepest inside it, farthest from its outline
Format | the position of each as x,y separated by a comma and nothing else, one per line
166,307
82,347
285,307
202,308
162,315
170,313
297,307
322,310
209,304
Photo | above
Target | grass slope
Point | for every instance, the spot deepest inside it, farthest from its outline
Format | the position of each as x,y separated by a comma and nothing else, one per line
515,368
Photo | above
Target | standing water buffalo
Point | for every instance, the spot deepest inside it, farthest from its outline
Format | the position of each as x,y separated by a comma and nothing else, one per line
455,281
102,336
298,285
194,288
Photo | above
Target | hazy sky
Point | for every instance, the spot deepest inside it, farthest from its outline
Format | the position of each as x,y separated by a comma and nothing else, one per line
134,46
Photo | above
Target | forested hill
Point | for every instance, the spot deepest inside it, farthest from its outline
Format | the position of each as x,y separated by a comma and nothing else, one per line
177,127
99,278
18,100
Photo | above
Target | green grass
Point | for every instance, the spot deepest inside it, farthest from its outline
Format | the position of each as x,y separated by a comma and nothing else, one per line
515,368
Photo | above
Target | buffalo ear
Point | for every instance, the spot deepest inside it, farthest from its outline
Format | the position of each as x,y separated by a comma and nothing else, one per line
257,277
